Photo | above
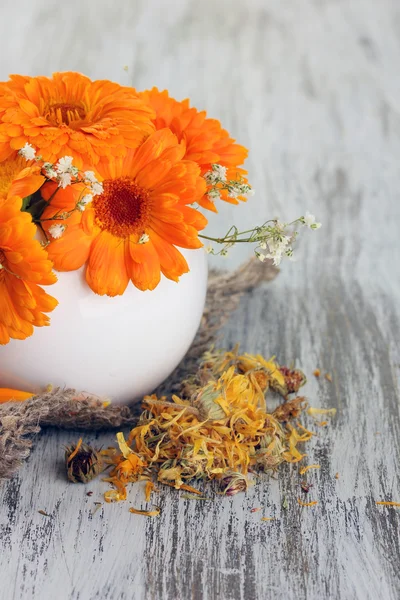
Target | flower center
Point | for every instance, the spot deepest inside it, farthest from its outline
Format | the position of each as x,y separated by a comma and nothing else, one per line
8,171
65,113
123,208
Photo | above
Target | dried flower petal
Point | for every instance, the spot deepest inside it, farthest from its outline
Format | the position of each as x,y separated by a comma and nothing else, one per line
146,513
305,469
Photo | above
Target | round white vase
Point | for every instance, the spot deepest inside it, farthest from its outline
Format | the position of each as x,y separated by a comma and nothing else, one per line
119,348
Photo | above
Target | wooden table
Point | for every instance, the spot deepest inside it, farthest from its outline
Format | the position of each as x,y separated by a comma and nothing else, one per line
313,88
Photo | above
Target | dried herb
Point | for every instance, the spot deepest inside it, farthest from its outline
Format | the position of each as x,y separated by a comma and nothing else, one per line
44,513
320,411
193,497
268,519
328,377
313,503
306,486
285,504
307,468
218,428
253,510
317,373
146,513
234,483
97,505
294,379
83,463
384,503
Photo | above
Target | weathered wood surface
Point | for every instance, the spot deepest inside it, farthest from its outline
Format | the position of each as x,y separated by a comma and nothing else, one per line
313,88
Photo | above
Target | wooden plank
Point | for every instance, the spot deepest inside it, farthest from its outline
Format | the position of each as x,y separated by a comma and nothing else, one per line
313,89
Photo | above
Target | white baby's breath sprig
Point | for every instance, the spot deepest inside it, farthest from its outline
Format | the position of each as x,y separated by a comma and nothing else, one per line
217,181
56,231
309,221
49,170
216,175
28,152
64,165
96,188
84,201
64,180
273,240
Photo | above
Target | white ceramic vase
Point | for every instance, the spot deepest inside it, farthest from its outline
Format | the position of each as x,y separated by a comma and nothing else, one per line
119,348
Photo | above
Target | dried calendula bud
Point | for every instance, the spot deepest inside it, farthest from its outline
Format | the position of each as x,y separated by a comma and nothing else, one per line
290,409
233,483
206,404
83,462
294,379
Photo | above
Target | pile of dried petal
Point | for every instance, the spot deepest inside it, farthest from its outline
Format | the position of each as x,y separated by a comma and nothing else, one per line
218,428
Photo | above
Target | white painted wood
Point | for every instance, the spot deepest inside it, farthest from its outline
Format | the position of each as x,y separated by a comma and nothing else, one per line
313,87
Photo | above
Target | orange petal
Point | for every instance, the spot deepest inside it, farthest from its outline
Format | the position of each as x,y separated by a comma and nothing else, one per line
172,262
106,272
143,265
7,395
71,251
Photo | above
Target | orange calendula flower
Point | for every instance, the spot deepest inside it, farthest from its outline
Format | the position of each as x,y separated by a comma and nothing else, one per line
130,231
206,142
18,179
24,267
68,114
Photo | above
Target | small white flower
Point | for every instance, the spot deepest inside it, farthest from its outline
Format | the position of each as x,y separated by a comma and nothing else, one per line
64,179
263,245
86,199
56,230
209,249
90,177
216,175
96,188
276,258
224,252
219,171
261,256
214,194
64,165
144,238
234,192
28,152
309,221
249,193
210,177
49,170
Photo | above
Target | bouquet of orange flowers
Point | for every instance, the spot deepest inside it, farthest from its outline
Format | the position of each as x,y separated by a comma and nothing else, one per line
100,176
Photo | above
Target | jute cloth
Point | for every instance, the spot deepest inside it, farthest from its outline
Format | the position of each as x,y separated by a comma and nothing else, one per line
20,422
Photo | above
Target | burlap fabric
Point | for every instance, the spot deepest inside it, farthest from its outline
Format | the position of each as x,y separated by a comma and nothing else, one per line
20,422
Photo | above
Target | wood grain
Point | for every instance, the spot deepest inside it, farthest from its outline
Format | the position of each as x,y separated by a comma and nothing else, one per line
313,88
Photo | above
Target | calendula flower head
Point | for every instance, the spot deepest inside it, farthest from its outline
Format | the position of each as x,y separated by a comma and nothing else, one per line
19,179
148,194
207,143
25,268
68,114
